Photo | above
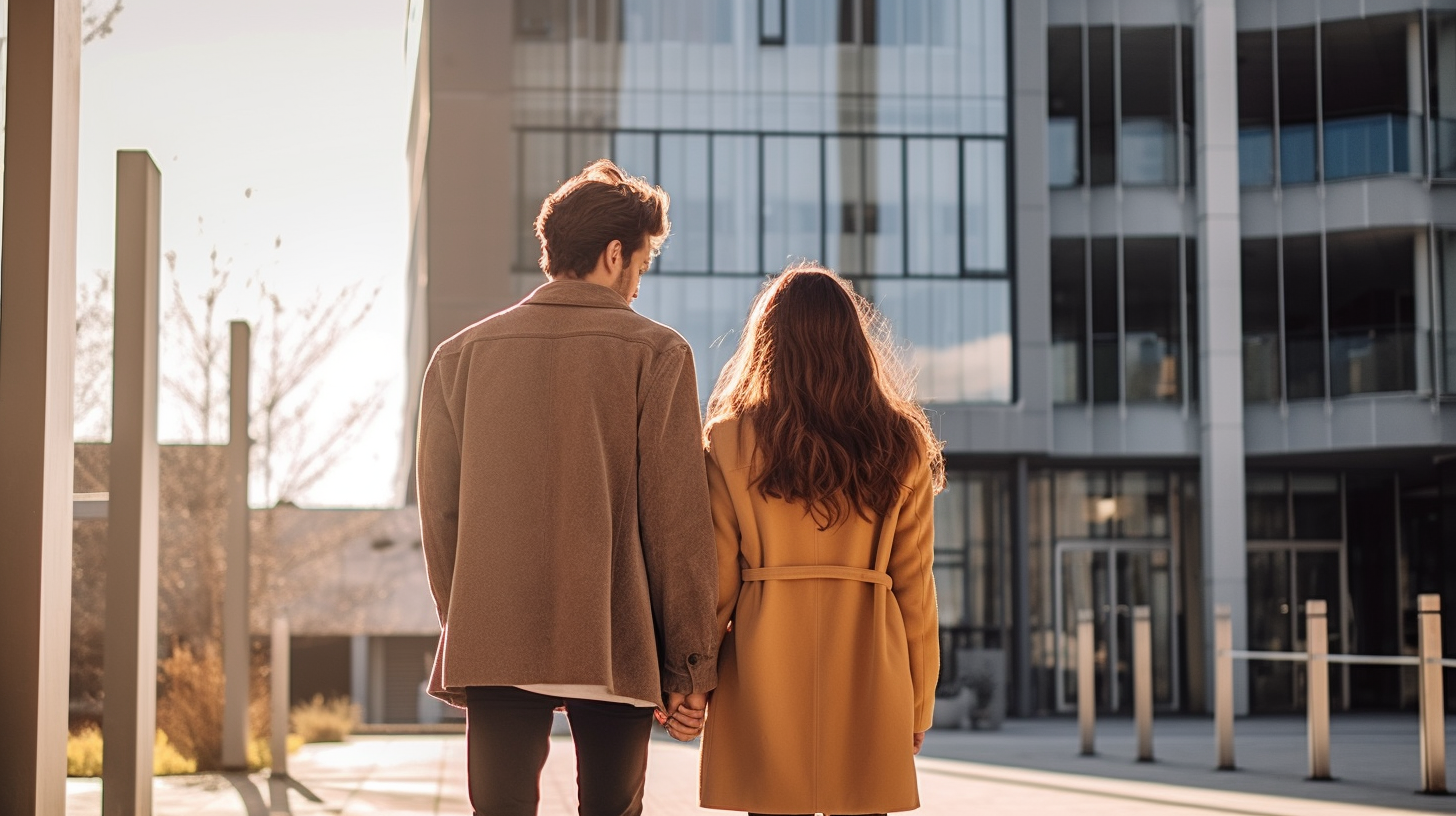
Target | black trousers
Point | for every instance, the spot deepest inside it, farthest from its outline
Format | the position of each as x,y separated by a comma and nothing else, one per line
508,735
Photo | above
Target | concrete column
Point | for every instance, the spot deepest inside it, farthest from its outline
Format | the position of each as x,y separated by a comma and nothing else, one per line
1415,72
1221,414
235,634
37,328
131,556
1032,200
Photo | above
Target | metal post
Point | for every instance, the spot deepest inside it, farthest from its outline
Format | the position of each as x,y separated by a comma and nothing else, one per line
279,674
1142,679
235,634
1433,698
131,556
1223,682
1318,688
37,336
1086,683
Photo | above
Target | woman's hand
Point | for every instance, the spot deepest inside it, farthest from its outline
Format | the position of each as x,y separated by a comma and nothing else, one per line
684,716
919,739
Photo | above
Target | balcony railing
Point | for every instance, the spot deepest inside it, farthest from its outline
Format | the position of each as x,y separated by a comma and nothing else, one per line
1379,145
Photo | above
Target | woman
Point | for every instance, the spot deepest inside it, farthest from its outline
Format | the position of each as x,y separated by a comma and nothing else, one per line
822,472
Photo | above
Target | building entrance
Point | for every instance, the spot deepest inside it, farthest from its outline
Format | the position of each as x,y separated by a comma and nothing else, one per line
1110,578
1282,575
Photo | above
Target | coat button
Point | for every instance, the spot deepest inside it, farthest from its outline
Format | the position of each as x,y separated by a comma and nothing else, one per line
692,660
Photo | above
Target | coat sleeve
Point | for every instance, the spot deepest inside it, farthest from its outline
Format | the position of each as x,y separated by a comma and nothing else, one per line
437,476
677,526
910,568
726,531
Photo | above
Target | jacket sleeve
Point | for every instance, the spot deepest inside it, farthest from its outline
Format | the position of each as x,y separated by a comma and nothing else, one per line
910,568
676,524
437,476
726,531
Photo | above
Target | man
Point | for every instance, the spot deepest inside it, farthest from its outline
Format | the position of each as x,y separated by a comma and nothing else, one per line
564,513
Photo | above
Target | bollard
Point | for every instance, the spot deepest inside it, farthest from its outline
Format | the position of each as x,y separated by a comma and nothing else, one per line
1433,700
279,675
1142,679
1223,685
1086,683
1317,688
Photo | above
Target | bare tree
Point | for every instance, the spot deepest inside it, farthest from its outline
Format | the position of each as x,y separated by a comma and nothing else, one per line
97,17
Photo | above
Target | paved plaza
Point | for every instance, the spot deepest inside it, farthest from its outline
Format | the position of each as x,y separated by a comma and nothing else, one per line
1030,767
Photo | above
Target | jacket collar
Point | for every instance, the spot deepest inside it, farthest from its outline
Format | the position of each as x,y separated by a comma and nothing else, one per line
568,292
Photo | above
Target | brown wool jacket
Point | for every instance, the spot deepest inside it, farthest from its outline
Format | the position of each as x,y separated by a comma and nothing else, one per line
564,503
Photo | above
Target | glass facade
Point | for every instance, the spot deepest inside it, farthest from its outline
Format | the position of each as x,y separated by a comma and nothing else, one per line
1121,309
1119,105
1333,315
870,136
1337,101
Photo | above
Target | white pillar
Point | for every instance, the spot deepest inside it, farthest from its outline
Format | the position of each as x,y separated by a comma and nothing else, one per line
1221,414
235,634
359,674
37,327
279,674
131,556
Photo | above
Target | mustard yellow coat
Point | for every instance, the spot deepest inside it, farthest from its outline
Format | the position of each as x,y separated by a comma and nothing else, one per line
829,667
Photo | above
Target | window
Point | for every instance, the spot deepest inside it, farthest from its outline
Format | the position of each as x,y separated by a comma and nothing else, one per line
771,22
1259,271
1153,328
735,204
1064,106
1304,338
791,216
934,206
1106,322
1298,101
1149,70
683,169
1256,108
1372,313
1069,320
1102,113
983,202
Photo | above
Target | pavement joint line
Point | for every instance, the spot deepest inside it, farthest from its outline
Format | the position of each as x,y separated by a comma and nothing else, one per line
1101,786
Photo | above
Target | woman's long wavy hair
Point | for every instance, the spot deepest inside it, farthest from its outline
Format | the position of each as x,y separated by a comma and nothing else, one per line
836,426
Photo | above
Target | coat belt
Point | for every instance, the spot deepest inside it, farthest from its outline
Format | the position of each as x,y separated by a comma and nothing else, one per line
804,573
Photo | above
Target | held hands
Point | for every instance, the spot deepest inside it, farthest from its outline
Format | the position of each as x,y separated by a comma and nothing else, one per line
919,738
683,715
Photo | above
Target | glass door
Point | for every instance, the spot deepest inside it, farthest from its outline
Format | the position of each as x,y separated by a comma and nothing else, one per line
1281,578
1110,579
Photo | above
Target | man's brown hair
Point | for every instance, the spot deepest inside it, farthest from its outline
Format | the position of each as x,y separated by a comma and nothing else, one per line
599,205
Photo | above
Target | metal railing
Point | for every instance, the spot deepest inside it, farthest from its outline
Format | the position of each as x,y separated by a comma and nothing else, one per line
1316,658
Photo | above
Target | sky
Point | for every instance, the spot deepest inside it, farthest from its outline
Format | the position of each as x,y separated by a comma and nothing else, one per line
279,129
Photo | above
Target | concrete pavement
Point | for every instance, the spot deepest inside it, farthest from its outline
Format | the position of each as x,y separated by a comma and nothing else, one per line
1029,768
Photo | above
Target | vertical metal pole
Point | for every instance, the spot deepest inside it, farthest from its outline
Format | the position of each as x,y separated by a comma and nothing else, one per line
1142,679
235,635
1086,683
1317,686
1433,697
1223,682
1022,591
279,672
131,556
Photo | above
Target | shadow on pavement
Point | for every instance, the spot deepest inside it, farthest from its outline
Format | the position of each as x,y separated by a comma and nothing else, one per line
251,796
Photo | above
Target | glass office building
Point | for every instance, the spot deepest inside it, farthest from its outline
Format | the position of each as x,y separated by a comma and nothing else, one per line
1175,281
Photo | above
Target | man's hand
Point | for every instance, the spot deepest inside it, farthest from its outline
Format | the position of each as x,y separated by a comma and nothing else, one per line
684,715
919,739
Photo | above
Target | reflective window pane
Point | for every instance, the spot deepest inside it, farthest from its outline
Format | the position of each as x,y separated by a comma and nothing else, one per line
884,208
844,207
683,168
541,171
1372,317
1304,318
1297,104
1318,513
1102,113
791,216
1266,513
735,204
1149,99
960,333
636,153
985,205
1152,309
1106,320
1069,320
1262,356
1064,106
934,206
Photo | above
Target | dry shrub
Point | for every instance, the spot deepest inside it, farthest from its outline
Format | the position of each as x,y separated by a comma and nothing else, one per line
84,751
190,706
320,720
